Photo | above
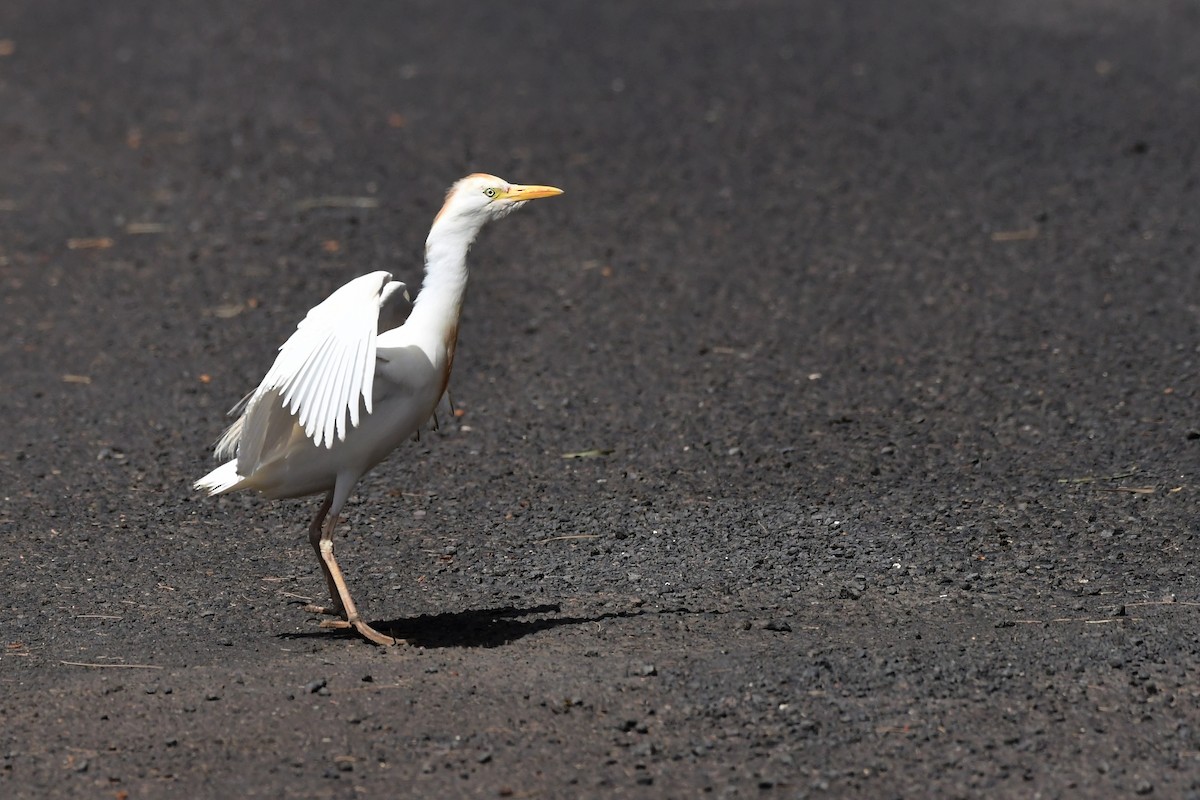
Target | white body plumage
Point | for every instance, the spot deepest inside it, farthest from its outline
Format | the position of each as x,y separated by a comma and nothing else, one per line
312,421
349,386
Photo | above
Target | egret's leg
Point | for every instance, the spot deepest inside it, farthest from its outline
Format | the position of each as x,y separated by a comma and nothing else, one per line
314,538
352,619
340,591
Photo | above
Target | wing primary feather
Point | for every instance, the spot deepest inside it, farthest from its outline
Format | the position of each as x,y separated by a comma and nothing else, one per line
295,392
240,406
357,380
335,426
333,401
350,373
353,379
369,372
308,387
326,390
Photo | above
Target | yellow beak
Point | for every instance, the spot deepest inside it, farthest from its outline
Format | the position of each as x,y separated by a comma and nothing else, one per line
521,193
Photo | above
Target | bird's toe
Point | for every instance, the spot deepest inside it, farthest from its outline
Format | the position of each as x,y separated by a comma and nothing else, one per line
332,611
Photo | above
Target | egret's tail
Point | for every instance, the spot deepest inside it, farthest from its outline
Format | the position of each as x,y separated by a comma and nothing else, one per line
221,479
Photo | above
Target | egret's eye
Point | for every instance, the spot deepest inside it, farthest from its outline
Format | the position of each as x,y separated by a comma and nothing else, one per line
490,191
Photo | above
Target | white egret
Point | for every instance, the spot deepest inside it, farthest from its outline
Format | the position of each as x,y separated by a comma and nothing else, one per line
349,385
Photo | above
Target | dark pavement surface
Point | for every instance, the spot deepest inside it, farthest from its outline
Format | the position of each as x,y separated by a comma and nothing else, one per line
886,311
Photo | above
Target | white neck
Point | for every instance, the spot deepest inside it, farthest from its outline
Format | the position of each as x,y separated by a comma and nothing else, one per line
438,304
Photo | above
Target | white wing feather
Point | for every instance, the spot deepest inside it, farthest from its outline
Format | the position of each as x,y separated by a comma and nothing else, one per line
326,370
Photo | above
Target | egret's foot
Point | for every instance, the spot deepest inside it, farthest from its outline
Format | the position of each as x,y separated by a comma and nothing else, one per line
367,632
330,611
340,624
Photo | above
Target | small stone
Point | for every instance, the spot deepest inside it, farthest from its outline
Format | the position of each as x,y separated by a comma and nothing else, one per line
643,750
778,625
312,687
647,670
484,758
1143,787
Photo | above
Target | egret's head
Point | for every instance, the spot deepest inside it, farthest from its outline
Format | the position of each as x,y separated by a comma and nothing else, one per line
481,197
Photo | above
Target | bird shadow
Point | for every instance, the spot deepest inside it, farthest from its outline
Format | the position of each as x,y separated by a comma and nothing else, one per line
488,627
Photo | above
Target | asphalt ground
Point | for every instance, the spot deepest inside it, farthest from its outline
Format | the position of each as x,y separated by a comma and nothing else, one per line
872,327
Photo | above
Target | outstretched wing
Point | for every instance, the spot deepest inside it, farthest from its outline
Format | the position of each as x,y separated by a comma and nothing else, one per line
324,373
